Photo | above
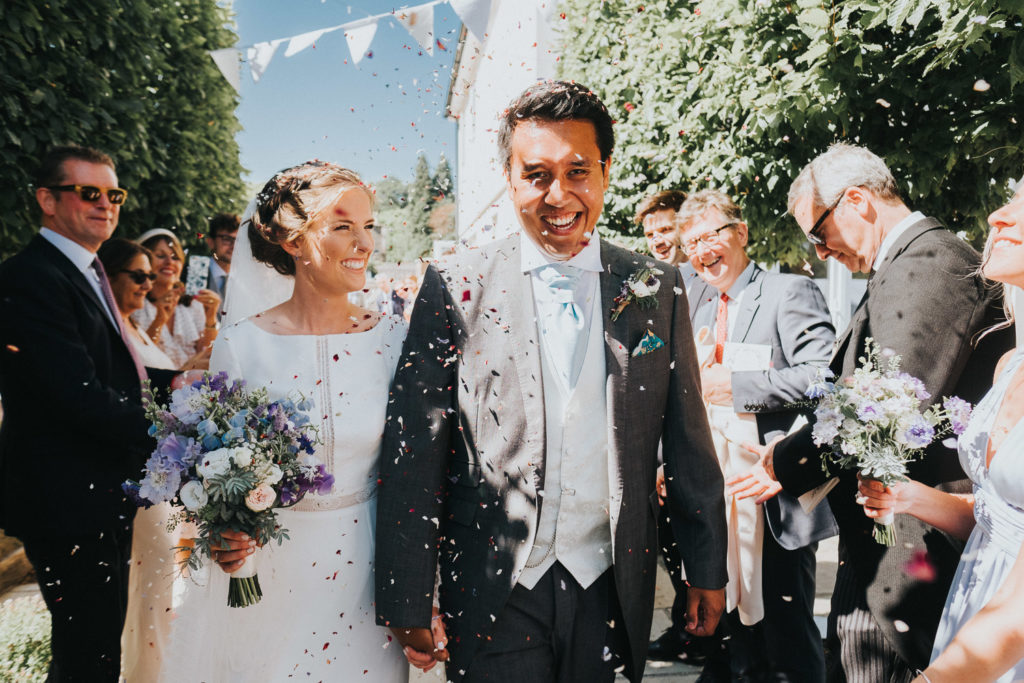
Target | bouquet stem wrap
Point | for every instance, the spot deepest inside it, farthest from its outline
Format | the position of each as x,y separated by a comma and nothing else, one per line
244,586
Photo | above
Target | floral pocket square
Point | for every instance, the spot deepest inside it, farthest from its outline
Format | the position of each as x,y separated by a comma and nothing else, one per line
649,343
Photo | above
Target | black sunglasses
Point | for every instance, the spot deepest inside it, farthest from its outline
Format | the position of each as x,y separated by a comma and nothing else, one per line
139,276
814,236
91,193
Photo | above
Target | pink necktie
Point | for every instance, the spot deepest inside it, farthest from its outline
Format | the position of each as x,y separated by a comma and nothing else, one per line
108,296
721,327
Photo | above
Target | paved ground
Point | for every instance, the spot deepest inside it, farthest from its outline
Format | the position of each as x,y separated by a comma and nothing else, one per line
656,671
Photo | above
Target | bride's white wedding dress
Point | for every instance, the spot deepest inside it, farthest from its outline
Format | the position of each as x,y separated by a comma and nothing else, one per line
316,619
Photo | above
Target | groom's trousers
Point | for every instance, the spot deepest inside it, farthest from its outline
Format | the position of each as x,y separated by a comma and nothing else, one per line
558,632
84,582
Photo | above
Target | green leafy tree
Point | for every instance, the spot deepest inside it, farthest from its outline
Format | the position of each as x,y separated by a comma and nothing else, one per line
741,94
442,184
133,79
417,213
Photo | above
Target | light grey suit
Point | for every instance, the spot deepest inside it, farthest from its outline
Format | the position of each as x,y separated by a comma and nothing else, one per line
463,454
789,313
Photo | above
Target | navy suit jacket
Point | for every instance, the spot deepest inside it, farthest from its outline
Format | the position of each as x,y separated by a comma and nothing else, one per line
73,427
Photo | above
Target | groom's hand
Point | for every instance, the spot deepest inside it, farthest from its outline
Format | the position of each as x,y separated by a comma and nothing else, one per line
704,607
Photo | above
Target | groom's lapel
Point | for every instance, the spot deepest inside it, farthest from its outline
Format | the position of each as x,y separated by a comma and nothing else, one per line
616,357
526,354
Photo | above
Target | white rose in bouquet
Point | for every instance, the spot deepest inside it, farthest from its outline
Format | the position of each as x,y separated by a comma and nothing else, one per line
242,456
215,463
193,495
272,475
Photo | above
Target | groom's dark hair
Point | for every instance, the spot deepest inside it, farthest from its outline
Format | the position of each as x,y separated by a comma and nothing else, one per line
556,101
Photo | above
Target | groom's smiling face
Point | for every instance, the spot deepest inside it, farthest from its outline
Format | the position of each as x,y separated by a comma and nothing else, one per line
557,181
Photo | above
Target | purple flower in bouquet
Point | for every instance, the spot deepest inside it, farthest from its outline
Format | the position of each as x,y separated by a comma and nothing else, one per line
177,451
919,434
870,412
161,481
959,413
916,385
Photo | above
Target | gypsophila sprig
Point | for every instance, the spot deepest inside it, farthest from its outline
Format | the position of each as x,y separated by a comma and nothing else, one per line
872,422
230,457
640,287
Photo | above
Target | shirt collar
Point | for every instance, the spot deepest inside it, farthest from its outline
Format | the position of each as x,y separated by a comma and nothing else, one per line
742,282
81,257
894,234
589,258
215,268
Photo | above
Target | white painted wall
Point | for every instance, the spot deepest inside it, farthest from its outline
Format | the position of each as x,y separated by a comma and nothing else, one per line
516,52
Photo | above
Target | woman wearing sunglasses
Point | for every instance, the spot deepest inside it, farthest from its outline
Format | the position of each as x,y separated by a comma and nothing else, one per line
129,268
180,325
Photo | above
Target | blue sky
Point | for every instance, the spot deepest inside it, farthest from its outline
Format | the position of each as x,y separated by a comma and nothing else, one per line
374,118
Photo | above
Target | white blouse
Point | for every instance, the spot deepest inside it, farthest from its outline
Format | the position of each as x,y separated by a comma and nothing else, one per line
180,343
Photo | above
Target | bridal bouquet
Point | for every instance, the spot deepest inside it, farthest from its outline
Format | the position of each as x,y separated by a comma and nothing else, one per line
230,457
873,422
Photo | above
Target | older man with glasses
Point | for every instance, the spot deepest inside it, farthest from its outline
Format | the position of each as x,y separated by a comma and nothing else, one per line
926,302
765,337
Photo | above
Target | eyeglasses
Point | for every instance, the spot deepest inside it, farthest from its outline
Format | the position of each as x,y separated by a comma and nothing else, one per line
711,238
226,239
139,276
814,236
91,193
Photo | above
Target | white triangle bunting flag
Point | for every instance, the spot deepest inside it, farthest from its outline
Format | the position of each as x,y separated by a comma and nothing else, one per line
475,14
259,56
299,43
229,61
419,22
359,40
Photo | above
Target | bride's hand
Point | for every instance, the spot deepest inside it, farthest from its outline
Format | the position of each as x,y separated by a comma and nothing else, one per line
424,647
235,548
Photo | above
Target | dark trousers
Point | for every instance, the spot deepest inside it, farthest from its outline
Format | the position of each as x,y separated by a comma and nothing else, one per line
859,651
84,582
786,644
556,632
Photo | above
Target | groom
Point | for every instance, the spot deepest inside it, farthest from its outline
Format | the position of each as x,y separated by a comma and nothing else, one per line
521,443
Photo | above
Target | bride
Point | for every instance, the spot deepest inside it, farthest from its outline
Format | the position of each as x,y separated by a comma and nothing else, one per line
312,224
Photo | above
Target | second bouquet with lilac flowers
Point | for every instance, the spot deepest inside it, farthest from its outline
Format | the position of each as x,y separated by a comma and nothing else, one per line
230,457
873,423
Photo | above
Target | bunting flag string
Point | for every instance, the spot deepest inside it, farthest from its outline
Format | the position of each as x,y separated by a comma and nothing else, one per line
359,34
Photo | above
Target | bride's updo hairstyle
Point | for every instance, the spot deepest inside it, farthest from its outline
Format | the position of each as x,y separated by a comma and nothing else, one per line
289,202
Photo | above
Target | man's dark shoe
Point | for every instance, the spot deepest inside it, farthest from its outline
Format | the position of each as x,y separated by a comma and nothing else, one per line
675,645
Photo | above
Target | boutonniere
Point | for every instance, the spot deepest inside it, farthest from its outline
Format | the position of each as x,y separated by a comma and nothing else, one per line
641,287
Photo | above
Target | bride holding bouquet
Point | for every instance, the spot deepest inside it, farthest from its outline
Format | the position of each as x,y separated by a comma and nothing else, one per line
304,249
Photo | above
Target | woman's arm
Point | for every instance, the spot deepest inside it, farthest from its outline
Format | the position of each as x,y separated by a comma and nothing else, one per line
991,642
947,512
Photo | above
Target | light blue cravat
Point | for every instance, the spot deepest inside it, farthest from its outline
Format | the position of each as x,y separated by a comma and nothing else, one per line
562,320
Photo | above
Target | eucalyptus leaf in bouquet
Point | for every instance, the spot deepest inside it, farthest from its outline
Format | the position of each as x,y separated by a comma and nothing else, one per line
230,457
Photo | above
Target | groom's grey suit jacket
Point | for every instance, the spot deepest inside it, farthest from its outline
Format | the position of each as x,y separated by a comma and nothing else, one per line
463,457
789,314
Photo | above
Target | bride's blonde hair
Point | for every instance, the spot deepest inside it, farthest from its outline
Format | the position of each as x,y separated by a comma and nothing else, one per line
289,202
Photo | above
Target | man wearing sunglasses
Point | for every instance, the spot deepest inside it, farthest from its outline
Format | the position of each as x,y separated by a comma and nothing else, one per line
770,625
925,302
74,427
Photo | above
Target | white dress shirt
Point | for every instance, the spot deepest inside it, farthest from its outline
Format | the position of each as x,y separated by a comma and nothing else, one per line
82,259
894,234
